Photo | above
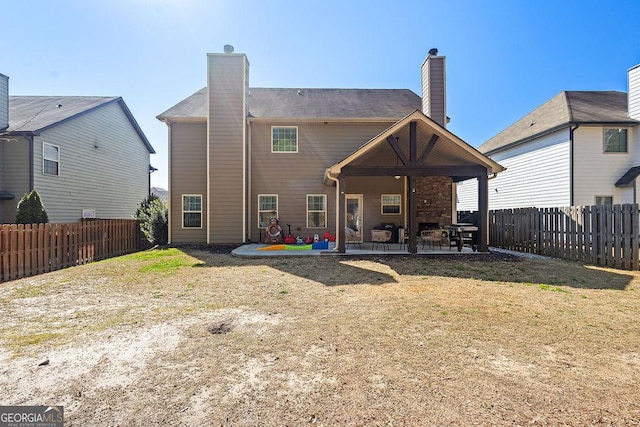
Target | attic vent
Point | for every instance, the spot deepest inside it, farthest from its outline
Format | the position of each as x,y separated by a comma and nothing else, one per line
228,48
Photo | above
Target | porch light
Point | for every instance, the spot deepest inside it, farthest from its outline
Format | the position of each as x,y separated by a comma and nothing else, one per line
397,177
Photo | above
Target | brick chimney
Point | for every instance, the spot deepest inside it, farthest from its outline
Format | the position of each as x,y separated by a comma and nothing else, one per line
4,102
434,94
633,97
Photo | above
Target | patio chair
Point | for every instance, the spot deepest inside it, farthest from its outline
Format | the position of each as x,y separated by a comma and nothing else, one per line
380,236
352,236
431,237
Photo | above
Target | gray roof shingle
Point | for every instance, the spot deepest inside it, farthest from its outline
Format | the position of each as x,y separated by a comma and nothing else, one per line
194,106
578,107
32,114
310,104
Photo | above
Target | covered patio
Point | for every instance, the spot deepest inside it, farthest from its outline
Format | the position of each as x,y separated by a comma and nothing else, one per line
413,148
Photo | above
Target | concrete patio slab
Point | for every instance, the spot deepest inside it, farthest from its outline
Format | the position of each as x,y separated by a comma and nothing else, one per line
253,250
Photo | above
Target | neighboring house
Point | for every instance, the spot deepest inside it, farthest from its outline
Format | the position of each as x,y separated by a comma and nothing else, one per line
161,193
579,148
83,154
318,160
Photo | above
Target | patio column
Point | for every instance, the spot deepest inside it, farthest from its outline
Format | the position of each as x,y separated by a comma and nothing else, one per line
413,215
413,208
483,211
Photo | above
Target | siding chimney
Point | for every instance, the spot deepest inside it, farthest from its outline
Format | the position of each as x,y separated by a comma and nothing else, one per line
434,93
4,102
633,97
228,91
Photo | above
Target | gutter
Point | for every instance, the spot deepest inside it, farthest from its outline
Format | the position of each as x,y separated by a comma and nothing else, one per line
31,160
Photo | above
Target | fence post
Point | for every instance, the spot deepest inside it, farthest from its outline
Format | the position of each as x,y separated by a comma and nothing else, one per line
617,235
634,237
626,236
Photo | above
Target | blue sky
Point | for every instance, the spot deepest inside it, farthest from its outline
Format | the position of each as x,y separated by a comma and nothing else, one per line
504,57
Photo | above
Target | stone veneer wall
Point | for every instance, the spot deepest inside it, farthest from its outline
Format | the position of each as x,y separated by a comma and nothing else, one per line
433,199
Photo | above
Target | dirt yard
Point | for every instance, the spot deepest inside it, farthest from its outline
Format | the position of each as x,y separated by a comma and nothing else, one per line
199,338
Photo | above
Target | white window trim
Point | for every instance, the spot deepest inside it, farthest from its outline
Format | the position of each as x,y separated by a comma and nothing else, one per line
604,150
324,196
382,205
200,211
297,139
259,210
43,158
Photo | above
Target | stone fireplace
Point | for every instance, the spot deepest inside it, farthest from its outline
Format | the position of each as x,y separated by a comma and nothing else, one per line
434,201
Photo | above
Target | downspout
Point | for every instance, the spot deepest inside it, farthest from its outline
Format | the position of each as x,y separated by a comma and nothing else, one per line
244,157
249,187
571,143
169,222
328,175
31,166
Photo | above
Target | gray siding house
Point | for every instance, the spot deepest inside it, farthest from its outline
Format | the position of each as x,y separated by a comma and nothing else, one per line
318,160
81,153
578,148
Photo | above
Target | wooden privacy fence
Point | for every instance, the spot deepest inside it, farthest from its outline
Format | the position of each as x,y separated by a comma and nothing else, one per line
601,235
27,250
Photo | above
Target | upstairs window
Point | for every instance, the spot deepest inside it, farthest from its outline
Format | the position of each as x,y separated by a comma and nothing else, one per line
284,139
316,211
267,208
615,140
50,159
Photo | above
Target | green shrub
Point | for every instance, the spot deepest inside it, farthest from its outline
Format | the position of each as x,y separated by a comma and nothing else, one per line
31,210
154,220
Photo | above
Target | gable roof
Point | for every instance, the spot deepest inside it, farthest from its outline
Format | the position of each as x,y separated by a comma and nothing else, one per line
564,109
34,114
450,150
310,104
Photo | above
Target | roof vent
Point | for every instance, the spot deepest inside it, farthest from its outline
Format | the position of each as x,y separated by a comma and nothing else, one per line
433,52
228,48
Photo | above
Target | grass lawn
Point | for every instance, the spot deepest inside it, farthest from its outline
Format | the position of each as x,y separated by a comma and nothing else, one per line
192,337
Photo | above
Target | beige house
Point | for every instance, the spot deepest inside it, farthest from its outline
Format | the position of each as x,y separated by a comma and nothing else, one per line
86,156
318,160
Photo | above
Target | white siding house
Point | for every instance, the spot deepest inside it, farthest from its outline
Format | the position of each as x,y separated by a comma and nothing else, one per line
579,148
80,153
633,76
524,183
4,102
596,172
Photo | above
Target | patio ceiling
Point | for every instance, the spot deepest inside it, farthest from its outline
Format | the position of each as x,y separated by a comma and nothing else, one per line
436,148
